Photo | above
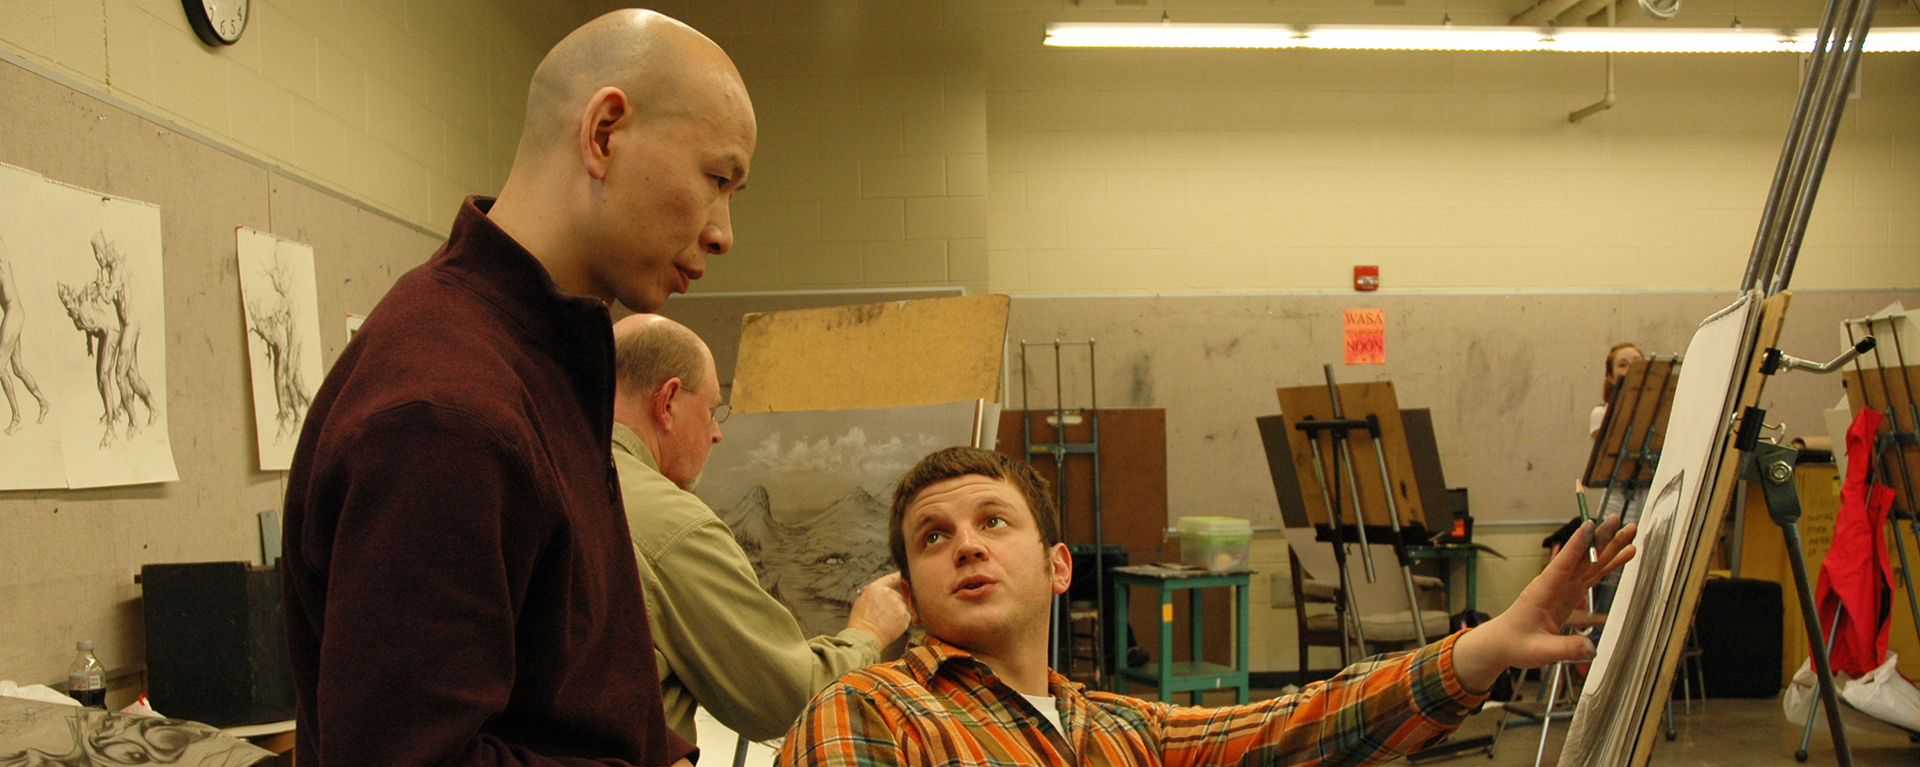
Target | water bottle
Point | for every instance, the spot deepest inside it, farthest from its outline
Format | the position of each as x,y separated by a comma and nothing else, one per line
86,678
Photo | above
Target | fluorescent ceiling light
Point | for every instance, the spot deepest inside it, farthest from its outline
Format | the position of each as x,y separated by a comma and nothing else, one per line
1458,38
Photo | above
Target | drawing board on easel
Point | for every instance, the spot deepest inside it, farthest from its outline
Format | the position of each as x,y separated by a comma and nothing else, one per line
1635,427
1887,379
1358,400
1617,718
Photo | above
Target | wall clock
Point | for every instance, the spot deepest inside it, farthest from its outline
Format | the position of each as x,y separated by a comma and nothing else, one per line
217,22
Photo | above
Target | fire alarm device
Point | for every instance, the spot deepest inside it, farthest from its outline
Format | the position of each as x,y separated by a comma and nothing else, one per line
1366,278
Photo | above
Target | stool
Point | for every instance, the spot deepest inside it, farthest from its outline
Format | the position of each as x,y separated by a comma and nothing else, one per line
1193,676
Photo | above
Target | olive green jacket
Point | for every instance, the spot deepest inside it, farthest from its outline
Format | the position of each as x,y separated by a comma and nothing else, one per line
719,640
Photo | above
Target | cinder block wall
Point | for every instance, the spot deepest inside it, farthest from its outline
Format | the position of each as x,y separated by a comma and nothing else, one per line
1129,170
872,164
405,106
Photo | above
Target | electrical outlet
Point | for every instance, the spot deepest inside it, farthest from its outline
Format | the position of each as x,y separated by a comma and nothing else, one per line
1280,586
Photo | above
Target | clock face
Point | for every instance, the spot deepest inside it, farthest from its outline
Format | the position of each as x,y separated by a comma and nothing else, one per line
217,22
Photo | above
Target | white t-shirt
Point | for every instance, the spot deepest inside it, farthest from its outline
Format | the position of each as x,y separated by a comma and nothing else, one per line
1597,420
1048,708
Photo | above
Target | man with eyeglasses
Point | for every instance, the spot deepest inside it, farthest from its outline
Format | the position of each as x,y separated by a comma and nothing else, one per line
719,639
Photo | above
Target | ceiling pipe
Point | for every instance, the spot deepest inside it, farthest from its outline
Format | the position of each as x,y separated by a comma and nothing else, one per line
1606,102
1546,11
1585,9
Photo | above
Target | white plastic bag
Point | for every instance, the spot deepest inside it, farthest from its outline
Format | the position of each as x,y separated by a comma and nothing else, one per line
1885,695
1805,689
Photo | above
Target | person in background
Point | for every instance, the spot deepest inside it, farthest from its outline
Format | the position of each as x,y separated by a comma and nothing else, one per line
977,537
719,639
1620,361
460,585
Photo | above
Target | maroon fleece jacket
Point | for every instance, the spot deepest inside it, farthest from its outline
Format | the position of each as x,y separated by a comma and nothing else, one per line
460,584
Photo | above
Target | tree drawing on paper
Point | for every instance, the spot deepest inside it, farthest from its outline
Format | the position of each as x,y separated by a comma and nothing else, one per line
13,316
272,321
807,494
103,311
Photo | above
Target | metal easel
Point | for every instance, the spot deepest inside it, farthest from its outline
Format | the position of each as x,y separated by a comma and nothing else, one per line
1770,465
1060,448
1783,225
1338,431
1894,441
1646,456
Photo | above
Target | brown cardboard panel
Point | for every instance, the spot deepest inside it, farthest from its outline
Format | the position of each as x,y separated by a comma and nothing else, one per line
1358,400
1286,482
892,354
716,317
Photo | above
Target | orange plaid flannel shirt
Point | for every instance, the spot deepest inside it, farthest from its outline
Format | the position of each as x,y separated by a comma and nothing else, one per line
939,706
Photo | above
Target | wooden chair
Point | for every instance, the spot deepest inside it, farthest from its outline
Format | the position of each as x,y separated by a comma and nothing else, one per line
1323,629
1317,629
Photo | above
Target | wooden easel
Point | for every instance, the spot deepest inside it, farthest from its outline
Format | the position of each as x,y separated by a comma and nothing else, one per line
1627,447
1381,497
1888,387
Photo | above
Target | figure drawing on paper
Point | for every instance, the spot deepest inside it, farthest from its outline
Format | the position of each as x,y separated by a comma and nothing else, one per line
102,310
13,315
272,321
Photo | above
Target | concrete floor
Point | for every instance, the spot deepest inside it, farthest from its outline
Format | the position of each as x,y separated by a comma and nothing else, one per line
1719,733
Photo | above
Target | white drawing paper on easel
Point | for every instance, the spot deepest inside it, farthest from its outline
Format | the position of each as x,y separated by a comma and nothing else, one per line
30,320
102,255
282,310
1640,626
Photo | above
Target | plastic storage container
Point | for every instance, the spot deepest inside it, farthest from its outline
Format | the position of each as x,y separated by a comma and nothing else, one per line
1215,543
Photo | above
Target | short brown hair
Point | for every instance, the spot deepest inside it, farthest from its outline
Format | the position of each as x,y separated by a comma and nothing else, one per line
959,462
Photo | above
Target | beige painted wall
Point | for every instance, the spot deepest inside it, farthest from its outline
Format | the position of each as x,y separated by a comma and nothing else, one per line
405,106
871,168
1149,171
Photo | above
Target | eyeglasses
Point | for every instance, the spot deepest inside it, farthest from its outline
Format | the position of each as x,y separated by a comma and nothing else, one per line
720,410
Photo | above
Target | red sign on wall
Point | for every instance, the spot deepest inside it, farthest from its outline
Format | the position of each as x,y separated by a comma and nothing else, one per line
1366,336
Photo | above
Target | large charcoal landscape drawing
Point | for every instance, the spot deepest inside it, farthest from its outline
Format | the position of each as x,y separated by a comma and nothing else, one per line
807,495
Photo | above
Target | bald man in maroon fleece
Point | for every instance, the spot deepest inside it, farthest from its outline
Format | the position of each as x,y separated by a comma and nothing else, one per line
460,584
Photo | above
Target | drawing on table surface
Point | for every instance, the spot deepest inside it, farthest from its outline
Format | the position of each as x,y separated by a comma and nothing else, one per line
39,734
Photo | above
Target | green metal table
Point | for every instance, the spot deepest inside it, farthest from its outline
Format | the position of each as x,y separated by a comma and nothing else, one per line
1454,552
1193,676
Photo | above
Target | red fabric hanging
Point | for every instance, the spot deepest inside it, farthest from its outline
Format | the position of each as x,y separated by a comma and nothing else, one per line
1856,572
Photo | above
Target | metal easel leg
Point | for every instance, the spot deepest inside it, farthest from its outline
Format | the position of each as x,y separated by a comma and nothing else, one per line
1813,709
1347,607
1546,714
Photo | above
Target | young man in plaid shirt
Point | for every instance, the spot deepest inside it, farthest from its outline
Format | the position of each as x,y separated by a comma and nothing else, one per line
977,538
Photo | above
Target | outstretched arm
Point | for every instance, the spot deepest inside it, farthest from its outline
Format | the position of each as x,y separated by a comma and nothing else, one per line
1528,634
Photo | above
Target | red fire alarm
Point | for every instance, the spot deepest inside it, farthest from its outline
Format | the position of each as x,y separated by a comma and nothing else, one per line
1366,278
